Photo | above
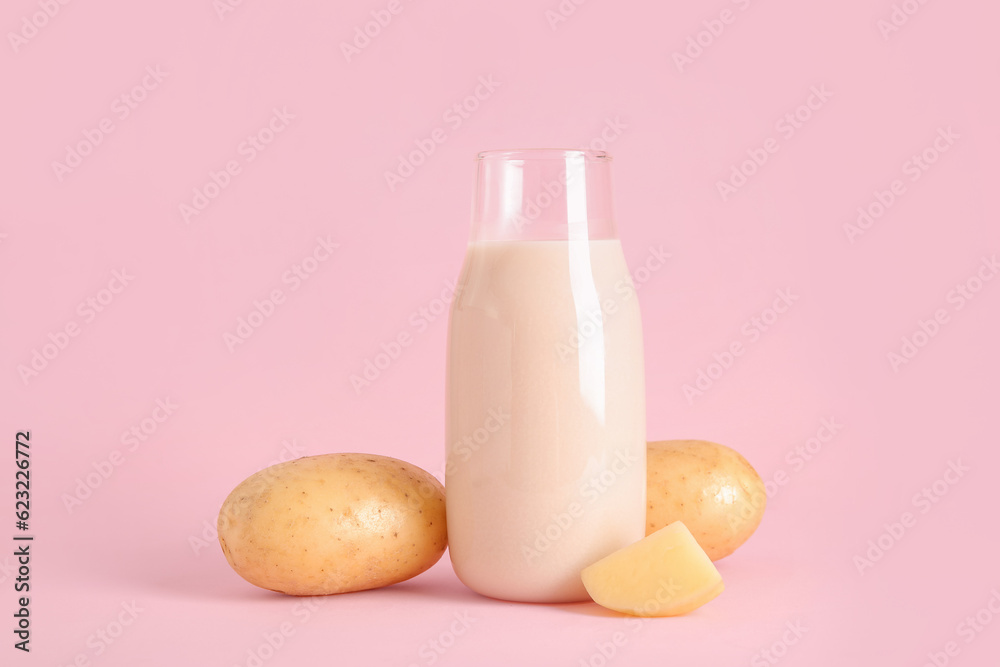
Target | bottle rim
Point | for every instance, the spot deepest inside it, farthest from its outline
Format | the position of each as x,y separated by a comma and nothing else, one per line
543,154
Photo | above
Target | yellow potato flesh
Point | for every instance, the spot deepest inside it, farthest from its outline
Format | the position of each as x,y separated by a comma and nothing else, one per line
334,523
663,574
711,488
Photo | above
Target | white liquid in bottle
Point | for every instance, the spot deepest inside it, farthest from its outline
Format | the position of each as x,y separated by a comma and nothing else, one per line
546,445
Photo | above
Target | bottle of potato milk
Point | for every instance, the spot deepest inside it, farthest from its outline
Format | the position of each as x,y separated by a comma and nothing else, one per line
545,424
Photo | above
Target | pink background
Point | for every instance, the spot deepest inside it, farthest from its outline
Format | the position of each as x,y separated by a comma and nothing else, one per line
286,391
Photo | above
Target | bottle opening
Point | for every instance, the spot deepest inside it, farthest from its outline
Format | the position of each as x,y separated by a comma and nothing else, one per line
543,154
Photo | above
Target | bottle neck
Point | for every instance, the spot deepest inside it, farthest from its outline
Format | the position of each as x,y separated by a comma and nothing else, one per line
543,195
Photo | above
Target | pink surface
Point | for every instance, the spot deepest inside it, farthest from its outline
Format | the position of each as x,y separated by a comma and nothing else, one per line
287,141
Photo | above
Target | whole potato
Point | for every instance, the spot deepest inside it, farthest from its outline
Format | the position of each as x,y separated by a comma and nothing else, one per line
333,523
710,487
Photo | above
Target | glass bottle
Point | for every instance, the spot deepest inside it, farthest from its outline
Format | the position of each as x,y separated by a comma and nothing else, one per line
545,417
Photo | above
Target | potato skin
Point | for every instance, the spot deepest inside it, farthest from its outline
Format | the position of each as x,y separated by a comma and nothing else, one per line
334,523
710,487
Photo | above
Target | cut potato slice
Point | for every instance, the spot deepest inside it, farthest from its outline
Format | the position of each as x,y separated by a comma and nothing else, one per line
664,574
